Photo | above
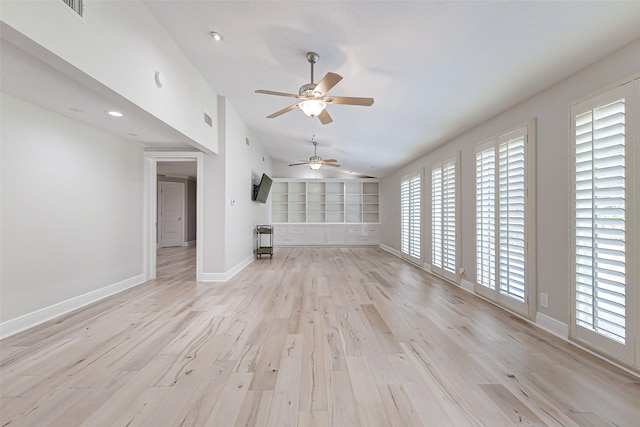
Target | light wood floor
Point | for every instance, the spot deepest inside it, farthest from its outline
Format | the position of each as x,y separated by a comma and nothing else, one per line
313,337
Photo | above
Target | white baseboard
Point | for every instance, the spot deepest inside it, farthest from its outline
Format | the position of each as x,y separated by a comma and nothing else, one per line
29,320
552,326
467,286
189,243
223,277
427,267
391,250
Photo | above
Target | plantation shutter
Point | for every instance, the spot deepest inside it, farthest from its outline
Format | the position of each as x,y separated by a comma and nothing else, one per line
444,217
503,271
411,200
511,198
600,220
436,217
415,186
486,217
449,216
405,209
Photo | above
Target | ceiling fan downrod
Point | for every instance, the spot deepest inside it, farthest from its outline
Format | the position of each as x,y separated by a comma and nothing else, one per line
312,57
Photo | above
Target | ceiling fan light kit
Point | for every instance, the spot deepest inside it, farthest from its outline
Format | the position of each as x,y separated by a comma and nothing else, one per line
312,96
312,107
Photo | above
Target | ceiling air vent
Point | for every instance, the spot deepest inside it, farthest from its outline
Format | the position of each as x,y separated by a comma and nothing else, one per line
208,120
76,5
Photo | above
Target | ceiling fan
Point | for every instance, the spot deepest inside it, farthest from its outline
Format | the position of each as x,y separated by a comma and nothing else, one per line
313,98
315,162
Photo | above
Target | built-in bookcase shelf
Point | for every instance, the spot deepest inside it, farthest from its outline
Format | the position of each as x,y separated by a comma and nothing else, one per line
325,201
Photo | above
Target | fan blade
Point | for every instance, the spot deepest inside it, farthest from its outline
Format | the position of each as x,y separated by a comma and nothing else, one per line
324,117
335,165
284,110
270,92
327,82
349,100
328,161
298,164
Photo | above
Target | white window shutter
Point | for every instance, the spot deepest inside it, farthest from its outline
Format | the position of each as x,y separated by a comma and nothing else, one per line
411,219
436,217
444,217
486,217
415,187
405,210
511,196
503,226
600,220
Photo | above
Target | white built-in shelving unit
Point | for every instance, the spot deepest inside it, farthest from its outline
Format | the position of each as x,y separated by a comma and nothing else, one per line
326,212
348,201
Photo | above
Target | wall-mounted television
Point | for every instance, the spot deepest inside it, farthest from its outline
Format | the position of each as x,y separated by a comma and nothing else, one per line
261,191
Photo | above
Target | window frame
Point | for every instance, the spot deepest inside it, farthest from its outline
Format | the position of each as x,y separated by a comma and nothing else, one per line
629,352
527,307
409,253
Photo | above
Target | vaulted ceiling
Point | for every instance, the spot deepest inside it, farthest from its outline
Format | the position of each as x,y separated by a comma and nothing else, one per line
435,68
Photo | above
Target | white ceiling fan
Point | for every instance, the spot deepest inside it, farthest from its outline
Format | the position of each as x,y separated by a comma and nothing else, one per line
313,97
316,162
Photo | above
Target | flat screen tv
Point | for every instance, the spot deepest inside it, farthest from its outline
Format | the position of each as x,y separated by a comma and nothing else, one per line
261,191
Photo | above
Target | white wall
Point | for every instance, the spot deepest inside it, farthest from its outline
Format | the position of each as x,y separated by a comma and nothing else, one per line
551,108
121,45
229,229
71,209
244,166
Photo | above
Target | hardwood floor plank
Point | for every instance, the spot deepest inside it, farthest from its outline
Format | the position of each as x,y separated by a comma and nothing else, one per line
313,385
313,419
205,396
286,395
342,337
368,402
386,338
341,401
510,405
227,408
266,372
398,406
104,415
255,409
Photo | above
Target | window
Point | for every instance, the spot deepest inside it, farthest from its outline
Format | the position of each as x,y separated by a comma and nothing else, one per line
411,199
603,204
503,225
444,218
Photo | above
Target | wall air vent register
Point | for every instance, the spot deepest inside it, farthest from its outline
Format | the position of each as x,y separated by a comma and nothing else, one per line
75,5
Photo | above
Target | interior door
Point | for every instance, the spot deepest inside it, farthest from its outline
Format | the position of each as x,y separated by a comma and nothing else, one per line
171,201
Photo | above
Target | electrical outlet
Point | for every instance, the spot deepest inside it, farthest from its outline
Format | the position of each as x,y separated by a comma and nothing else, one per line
462,271
544,300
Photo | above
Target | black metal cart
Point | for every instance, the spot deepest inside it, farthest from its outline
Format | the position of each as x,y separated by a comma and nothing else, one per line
265,240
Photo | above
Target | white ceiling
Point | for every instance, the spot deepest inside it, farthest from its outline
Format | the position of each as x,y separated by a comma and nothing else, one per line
436,69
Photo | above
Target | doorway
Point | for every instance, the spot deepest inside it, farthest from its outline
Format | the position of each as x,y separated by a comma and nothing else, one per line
185,167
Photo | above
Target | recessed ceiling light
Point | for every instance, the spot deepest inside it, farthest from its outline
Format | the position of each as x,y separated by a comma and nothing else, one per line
216,36
75,110
115,113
